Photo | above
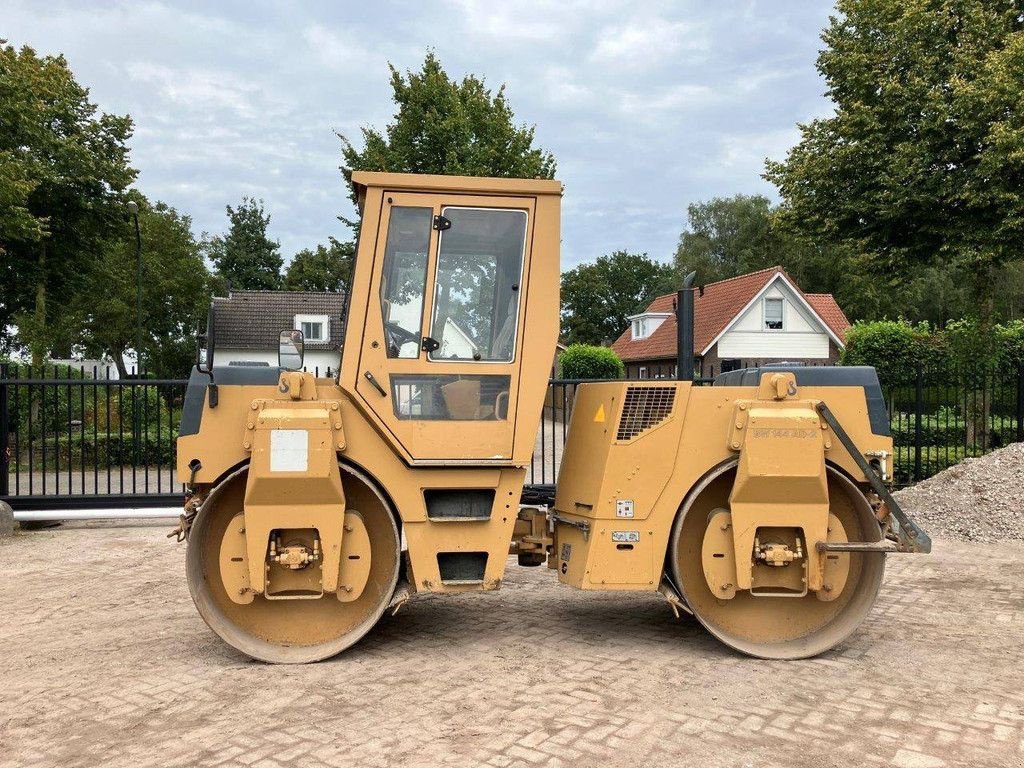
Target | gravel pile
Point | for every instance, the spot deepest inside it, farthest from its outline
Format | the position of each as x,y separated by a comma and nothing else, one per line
977,500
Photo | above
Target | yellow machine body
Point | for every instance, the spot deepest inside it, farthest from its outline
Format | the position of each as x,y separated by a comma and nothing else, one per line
315,504
636,449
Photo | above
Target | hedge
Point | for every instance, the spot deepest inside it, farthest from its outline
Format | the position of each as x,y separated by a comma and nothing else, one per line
104,450
942,430
580,361
962,351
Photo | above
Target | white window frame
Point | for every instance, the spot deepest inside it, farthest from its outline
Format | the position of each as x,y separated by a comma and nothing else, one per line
642,373
764,314
643,326
323,320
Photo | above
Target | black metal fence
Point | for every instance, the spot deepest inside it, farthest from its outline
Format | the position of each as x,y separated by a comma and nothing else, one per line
941,417
74,438
81,437
937,419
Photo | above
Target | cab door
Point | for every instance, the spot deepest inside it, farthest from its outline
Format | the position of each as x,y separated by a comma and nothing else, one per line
439,364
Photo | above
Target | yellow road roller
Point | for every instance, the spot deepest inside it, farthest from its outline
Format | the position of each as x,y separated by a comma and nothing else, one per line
758,504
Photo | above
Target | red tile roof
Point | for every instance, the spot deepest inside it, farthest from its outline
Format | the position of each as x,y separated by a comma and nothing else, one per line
713,311
829,311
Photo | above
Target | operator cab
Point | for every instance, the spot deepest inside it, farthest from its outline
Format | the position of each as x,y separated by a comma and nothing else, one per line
436,340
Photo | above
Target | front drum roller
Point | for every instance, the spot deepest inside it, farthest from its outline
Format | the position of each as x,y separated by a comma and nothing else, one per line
776,627
291,631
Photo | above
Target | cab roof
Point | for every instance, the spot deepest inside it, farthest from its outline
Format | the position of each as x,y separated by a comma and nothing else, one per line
472,184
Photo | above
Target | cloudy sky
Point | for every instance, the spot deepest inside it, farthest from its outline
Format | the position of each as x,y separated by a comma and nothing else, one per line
647,106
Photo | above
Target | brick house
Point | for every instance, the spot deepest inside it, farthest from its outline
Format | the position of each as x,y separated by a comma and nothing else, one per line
247,325
748,320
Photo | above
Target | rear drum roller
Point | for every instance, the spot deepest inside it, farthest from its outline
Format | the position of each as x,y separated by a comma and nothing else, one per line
770,627
291,631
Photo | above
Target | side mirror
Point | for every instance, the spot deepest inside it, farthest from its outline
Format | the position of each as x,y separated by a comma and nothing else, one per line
291,350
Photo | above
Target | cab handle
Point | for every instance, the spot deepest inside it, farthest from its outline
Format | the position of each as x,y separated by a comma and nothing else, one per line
375,384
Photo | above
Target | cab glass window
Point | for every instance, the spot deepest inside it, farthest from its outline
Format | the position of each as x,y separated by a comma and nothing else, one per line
476,292
445,397
403,283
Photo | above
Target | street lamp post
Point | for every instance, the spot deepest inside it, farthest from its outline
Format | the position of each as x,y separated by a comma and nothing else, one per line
133,209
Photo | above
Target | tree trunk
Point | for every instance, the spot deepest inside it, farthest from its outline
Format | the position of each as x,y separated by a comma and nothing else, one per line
122,370
38,344
977,413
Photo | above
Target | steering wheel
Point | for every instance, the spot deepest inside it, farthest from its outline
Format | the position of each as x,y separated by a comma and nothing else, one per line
397,335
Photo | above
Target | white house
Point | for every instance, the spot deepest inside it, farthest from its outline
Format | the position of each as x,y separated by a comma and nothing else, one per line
247,327
757,318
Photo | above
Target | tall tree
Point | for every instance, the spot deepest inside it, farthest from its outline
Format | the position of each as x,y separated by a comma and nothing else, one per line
63,173
325,268
597,298
728,236
922,163
246,258
447,127
176,291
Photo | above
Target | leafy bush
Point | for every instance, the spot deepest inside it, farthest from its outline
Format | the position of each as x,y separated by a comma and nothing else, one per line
54,409
896,348
581,361
51,407
1010,346
949,429
934,459
103,450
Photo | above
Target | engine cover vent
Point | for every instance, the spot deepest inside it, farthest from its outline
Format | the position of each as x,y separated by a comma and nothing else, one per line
644,408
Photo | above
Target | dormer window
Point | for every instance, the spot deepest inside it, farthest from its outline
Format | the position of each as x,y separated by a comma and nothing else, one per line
642,326
773,314
313,327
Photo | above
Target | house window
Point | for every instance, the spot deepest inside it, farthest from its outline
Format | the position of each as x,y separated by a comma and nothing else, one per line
643,326
643,372
313,327
773,311
313,331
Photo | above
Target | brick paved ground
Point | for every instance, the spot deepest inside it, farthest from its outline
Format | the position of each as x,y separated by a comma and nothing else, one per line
105,662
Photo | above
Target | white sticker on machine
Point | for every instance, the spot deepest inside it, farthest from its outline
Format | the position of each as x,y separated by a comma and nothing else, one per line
289,450
623,507
626,537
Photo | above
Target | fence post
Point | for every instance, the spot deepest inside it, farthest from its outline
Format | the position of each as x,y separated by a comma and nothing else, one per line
5,429
918,413
1020,403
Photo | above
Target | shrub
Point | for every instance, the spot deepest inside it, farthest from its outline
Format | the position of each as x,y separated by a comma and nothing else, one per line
580,361
896,348
1010,346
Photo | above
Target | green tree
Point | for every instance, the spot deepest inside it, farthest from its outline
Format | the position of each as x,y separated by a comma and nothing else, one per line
176,291
327,268
597,298
922,163
728,236
63,174
447,127
246,258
